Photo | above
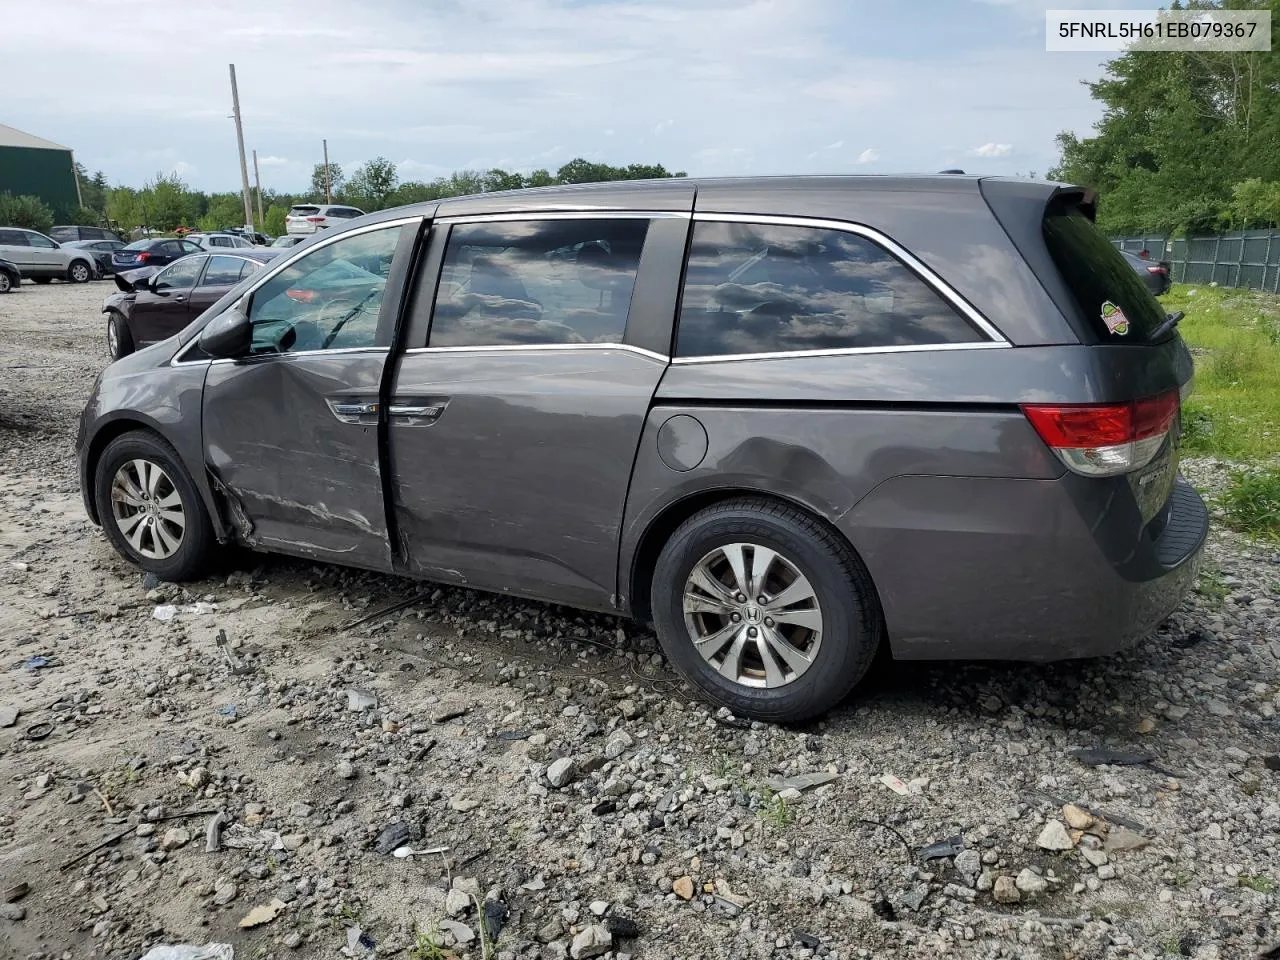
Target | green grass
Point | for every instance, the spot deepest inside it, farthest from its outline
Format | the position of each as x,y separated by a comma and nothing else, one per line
1234,413
1252,502
1260,884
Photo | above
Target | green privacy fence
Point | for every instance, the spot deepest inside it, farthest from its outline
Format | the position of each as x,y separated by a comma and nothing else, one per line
1249,258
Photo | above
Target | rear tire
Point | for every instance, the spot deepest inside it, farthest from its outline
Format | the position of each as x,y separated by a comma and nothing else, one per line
79,272
150,509
119,339
819,624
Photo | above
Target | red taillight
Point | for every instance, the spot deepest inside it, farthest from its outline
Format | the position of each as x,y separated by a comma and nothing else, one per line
144,257
1157,269
315,219
1105,439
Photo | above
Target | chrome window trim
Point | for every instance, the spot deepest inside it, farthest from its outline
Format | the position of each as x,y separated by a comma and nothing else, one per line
544,348
601,214
276,265
333,351
914,264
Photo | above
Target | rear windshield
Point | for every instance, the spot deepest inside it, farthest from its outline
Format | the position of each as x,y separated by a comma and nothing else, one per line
304,211
142,244
1112,296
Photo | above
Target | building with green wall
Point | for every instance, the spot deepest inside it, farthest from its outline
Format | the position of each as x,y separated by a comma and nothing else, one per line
40,168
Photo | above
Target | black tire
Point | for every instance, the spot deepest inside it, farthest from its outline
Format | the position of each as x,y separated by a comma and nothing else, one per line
196,546
119,339
79,272
6,282
849,609
43,279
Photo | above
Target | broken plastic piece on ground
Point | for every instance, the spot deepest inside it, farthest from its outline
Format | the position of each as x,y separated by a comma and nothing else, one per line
402,853
39,662
514,734
622,928
943,849
359,942
802,782
165,611
896,785
187,951
494,918
1119,840
1097,756
358,700
228,711
806,939
38,731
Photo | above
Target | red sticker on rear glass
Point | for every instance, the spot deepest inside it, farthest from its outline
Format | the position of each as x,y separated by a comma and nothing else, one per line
1115,319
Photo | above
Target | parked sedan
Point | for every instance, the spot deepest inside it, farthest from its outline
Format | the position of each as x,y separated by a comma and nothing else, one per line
101,250
789,421
43,259
154,304
1154,273
151,252
10,276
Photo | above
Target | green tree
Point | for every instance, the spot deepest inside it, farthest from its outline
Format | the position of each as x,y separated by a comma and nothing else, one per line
25,211
1256,203
1179,130
93,190
168,203
318,180
371,184
274,226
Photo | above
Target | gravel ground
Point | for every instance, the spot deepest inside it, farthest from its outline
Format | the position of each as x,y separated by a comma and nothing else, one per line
569,785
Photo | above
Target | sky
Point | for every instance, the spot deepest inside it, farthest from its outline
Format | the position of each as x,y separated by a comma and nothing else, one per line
712,87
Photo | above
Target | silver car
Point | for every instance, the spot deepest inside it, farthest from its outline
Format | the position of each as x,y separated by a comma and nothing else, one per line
43,259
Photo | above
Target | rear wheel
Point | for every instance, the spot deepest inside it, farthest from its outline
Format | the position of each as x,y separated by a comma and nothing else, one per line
765,610
150,510
79,272
119,339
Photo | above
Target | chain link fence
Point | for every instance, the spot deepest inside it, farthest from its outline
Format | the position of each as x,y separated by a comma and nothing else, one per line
1249,258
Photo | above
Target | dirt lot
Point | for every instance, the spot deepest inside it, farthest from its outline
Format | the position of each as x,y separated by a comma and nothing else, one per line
438,725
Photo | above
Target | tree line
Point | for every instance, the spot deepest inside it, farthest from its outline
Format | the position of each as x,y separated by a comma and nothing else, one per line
1189,141
165,202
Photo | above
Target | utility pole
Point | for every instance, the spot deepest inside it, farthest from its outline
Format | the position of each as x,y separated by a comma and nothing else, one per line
244,167
328,187
258,182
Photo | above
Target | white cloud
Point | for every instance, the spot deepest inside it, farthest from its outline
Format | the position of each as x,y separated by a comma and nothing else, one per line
869,155
993,150
273,161
835,146
184,169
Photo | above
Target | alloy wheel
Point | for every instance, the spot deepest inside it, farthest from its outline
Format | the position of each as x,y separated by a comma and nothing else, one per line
79,273
113,338
147,509
4,283
752,615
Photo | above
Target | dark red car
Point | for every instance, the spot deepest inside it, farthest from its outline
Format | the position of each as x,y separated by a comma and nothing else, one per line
153,305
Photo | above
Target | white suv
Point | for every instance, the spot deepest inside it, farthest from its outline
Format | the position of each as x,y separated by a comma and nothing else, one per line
43,259
310,217
219,241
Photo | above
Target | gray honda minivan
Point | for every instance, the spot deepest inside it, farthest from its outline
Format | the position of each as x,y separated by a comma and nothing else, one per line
787,420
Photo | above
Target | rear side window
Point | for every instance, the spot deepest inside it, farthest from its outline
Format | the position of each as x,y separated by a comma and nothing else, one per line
537,281
1110,293
13,238
764,288
222,271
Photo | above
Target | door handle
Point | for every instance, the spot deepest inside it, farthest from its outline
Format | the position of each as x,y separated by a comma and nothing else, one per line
179,298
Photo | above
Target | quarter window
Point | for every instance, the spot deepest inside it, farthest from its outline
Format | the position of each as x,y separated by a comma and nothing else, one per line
180,275
537,282
222,271
327,300
765,288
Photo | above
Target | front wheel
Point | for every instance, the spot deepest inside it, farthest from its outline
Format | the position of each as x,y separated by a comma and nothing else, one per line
149,508
119,339
79,272
6,283
765,610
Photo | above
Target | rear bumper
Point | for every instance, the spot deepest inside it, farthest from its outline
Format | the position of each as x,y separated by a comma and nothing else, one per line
974,569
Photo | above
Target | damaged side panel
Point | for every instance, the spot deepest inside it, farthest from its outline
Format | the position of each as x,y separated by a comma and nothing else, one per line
294,475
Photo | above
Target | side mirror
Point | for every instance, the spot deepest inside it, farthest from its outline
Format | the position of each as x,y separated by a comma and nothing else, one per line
229,334
142,283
